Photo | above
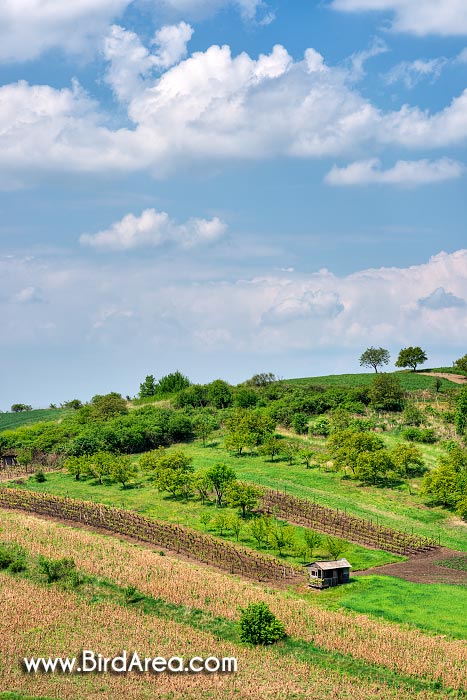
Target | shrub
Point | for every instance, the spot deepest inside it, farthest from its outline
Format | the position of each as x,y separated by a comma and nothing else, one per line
300,423
56,569
418,435
259,626
40,476
12,558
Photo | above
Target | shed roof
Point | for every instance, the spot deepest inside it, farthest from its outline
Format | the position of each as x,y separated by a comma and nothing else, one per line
326,565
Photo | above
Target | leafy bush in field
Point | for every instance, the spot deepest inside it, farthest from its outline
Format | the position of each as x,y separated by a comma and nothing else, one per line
426,435
259,626
300,423
56,569
12,558
412,415
321,426
386,393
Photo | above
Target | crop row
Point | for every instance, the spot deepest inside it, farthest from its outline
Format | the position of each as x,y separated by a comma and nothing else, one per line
334,522
177,538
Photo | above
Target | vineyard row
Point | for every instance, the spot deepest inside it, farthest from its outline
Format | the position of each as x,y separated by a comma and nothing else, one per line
334,522
177,538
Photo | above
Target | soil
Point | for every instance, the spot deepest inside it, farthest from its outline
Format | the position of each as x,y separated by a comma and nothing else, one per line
456,378
422,568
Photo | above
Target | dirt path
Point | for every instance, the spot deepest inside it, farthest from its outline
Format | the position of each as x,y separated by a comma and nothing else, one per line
421,568
456,378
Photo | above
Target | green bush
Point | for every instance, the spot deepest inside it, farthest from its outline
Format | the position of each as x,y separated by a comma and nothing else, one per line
12,558
259,626
56,569
413,434
40,476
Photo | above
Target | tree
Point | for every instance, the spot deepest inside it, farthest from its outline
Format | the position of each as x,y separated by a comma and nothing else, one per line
346,446
271,447
336,547
75,404
281,537
205,519
374,467
170,383
461,364
386,393
148,387
220,476
411,357
262,379
245,398
20,407
77,466
178,482
300,423
202,485
235,524
289,450
259,626
374,357
306,456
260,528
221,522
99,465
107,406
240,494
312,541
203,425
219,394
447,484
122,469
407,460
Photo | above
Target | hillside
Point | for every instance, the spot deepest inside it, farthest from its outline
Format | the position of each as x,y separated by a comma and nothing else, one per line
11,421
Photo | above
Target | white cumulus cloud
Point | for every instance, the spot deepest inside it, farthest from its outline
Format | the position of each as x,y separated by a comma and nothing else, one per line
421,17
212,106
154,229
404,173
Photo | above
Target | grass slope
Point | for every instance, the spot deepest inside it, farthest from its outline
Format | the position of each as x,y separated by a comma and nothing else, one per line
410,381
434,608
11,421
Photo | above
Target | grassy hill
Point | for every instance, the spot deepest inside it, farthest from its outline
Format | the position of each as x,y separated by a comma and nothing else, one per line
11,421
411,381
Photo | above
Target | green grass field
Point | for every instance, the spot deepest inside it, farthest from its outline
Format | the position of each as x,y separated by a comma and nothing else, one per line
145,499
410,381
11,421
395,508
433,608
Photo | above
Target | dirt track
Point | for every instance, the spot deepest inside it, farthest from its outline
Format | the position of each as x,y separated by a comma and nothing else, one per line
456,378
421,568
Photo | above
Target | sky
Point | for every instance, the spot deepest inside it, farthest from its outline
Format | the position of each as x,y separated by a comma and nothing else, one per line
227,187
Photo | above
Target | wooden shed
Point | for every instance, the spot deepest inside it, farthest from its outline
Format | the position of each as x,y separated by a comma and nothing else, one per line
324,574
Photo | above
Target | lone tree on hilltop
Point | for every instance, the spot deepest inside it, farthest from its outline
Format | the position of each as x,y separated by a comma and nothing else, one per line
374,357
411,357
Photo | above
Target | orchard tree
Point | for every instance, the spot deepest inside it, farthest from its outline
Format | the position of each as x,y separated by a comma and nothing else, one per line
203,425
312,541
411,357
220,476
282,537
407,460
374,467
240,494
122,469
374,357
271,447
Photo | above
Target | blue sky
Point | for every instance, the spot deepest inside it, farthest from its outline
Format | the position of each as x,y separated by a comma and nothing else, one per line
227,187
